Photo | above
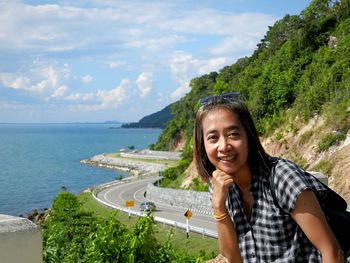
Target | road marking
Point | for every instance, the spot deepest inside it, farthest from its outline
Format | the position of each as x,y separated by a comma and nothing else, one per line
159,205
123,190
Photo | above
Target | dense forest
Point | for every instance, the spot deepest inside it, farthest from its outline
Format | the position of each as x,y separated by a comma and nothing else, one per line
155,120
300,68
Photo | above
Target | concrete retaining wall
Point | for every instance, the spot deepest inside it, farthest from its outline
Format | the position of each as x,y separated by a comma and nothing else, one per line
20,240
196,201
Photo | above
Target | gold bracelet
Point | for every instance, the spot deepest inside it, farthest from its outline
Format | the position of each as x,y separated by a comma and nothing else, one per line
223,217
220,216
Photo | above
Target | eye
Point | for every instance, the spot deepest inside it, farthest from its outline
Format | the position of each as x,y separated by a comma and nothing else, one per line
211,138
233,134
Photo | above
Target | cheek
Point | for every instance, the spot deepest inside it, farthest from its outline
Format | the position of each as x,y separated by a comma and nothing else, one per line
209,149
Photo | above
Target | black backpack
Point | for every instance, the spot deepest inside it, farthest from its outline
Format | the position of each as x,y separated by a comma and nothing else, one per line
334,208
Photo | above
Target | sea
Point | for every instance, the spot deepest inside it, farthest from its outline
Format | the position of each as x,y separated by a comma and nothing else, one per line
37,161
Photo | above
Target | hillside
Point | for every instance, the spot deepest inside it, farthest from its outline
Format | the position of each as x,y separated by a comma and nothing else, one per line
298,77
155,120
303,147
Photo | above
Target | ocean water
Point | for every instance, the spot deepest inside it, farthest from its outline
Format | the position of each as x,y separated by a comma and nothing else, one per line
37,160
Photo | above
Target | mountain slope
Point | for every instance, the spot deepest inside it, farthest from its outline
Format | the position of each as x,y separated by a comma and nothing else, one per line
158,119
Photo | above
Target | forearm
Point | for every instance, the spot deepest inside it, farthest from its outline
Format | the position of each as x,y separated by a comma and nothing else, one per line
332,256
227,236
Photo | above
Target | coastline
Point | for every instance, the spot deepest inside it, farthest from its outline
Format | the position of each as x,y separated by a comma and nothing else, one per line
136,167
139,164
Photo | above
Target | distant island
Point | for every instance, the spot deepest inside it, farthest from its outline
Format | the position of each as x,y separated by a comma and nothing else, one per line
155,120
103,122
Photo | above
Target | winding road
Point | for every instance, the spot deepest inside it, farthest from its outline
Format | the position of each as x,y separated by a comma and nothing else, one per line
117,194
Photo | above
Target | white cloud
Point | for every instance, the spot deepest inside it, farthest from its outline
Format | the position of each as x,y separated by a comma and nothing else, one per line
210,65
59,93
184,67
116,64
80,96
109,99
180,91
87,79
214,22
104,99
14,81
50,79
60,28
144,83
41,77
235,45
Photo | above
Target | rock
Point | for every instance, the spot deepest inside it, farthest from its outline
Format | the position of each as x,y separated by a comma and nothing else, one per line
38,216
219,259
332,42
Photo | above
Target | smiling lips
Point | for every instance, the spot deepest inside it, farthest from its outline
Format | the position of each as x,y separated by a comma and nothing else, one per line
226,157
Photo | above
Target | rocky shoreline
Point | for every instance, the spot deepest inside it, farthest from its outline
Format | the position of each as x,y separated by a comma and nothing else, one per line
137,168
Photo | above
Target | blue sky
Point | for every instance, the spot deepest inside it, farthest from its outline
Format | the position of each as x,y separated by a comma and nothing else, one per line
90,61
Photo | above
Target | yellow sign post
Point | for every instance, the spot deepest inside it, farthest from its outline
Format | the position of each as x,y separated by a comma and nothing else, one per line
188,215
129,203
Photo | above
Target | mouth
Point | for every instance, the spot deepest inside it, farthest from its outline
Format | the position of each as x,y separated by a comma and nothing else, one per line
227,158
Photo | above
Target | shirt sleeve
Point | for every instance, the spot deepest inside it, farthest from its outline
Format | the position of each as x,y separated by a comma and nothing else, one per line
290,181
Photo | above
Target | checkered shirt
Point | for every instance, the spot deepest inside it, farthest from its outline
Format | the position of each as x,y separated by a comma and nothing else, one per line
271,235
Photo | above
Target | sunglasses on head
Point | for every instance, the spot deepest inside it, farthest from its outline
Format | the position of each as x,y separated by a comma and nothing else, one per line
230,96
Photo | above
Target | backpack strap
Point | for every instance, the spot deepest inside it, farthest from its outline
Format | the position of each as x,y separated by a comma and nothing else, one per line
332,199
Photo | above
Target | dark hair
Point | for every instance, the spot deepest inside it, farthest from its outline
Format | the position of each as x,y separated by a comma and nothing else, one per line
258,159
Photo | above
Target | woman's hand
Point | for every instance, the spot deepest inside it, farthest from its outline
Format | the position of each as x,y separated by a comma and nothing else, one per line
221,183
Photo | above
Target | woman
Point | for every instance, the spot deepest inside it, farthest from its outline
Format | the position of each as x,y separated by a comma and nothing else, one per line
251,226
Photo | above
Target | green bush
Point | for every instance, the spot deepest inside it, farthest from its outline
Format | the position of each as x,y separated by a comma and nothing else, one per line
324,166
330,139
173,173
306,136
72,235
198,185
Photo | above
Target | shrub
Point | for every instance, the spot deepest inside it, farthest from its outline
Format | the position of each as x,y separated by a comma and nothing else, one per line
324,166
198,185
330,139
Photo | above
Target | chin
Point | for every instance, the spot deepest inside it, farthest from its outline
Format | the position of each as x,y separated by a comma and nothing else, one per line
228,170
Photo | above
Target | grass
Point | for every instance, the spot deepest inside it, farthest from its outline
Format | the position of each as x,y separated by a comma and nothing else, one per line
194,245
330,139
324,166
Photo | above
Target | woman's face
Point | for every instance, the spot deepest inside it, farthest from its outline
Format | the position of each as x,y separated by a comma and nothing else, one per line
225,141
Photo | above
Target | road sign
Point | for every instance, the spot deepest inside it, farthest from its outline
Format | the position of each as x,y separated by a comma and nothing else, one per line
188,214
129,203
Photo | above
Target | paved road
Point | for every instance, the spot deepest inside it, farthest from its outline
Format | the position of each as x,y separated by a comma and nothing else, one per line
134,190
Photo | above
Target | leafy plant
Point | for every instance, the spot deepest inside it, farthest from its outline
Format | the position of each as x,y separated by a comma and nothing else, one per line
198,185
330,139
324,166
73,235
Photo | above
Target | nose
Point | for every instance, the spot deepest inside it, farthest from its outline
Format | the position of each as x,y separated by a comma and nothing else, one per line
223,144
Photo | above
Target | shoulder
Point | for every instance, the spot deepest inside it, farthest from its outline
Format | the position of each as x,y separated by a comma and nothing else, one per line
289,180
287,167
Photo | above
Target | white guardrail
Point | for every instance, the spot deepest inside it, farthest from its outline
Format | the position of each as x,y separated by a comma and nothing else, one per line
199,230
